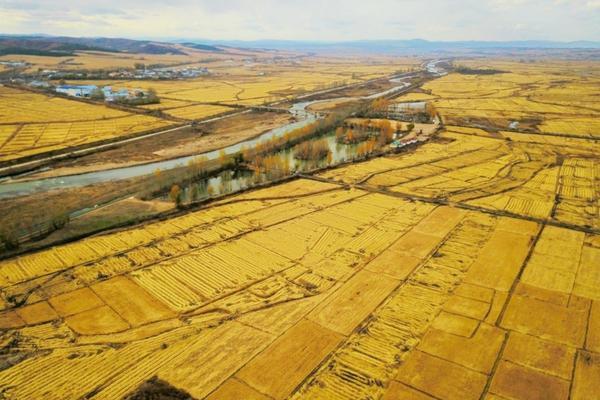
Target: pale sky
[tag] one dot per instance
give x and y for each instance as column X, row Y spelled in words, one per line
column 562, row 20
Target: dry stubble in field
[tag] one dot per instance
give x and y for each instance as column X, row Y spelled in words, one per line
column 433, row 274
column 372, row 294
column 33, row 123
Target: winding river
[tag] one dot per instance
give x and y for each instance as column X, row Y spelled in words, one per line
column 11, row 188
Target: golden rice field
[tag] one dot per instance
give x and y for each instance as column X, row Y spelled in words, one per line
column 32, row 123
column 525, row 176
column 336, row 67
column 241, row 90
column 17, row 106
column 546, row 96
column 465, row 269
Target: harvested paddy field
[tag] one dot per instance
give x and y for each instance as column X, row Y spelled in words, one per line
column 543, row 96
column 464, row 269
column 32, row 123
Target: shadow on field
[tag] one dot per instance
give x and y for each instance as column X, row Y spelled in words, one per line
column 156, row 389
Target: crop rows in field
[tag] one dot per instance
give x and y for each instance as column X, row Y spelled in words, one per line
column 18, row 106
column 34, row 123
column 466, row 269
column 103, row 295
column 478, row 169
column 548, row 102
column 405, row 314
column 32, row 139
column 361, row 281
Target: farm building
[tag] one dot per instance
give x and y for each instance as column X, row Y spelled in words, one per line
column 417, row 106
column 39, row 84
column 112, row 95
column 76, row 90
column 413, row 111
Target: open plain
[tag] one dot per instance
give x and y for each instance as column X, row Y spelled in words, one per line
column 383, row 227
column 465, row 269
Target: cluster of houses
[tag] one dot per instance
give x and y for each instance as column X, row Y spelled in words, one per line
column 161, row 73
column 149, row 73
column 108, row 92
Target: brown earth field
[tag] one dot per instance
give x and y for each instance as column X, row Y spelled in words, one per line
column 33, row 213
column 123, row 211
column 333, row 105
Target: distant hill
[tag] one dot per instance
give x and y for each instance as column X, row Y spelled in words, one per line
column 204, row 47
column 40, row 44
column 41, row 47
column 65, row 46
column 125, row 45
column 406, row 46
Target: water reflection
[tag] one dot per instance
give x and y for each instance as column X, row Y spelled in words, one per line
column 231, row 181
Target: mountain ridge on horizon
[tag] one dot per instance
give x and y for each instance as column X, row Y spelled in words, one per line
column 161, row 45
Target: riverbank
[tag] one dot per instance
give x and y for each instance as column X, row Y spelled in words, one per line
column 299, row 110
column 208, row 137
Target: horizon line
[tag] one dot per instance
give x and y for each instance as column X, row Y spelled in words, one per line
column 324, row 41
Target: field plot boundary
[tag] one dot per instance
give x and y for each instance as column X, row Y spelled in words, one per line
column 459, row 205
column 214, row 203
column 446, row 250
